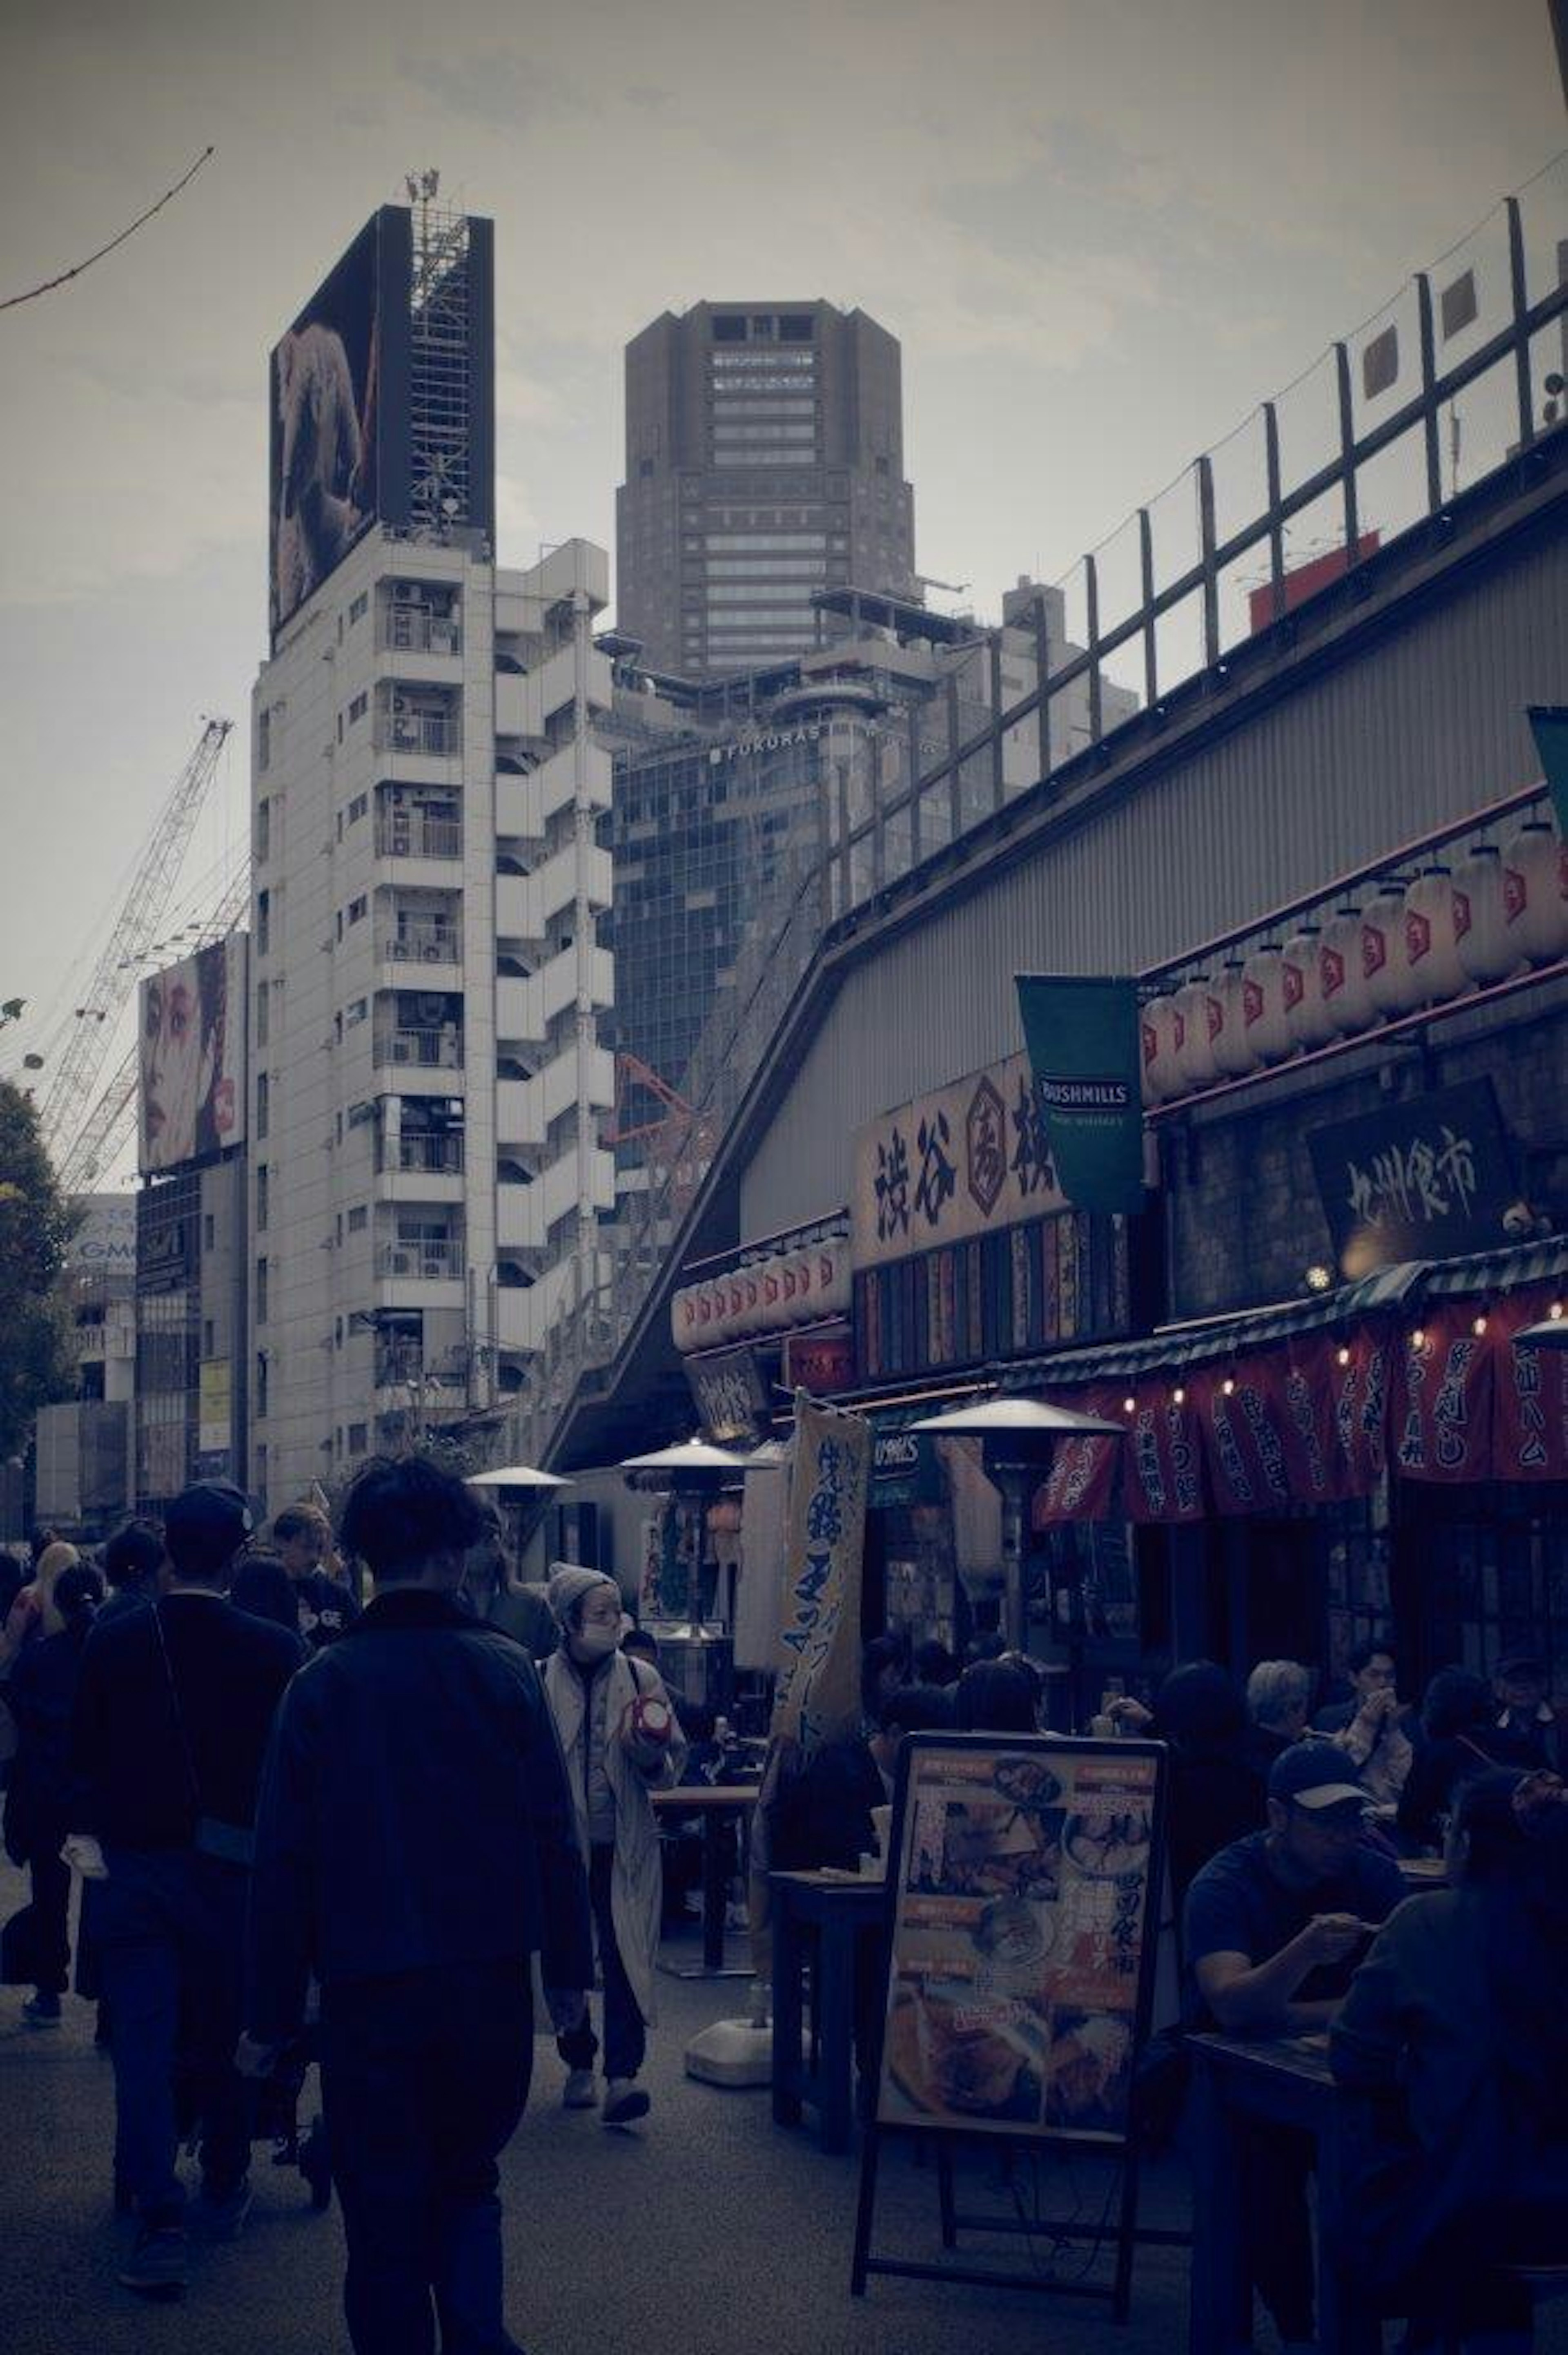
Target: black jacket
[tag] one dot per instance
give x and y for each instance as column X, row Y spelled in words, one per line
column 229, row 1670
column 41, row 1796
column 414, row 1813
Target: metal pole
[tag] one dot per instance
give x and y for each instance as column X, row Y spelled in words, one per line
column 1012, row 1481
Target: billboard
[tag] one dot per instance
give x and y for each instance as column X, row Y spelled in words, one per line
column 191, row 1055
column 338, row 405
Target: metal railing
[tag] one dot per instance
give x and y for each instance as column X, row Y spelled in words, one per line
column 421, row 1263
column 442, row 1155
column 430, row 733
column 1373, row 442
column 431, row 1049
column 410, row 834
column 427, row 943
column 409, row 629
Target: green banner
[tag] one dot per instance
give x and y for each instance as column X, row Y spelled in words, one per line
column 1081, row 1036
column 1549, row 723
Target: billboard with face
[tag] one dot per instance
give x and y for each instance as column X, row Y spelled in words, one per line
column 329, row 387
column 192, row 1056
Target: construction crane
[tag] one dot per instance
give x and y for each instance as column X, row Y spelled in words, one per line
column 677, row 1146
column 114, row 976
column 98, row 1140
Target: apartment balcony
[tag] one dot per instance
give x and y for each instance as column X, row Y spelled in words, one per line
column 411, row 630
column 428, row 1262
column 438, row 1053
column 419, row 734
column 525, row 703
column 525, row 1009
column 424, row 945
column 525, row 1108
column 409, row 834
column 525, row 903
column 416, row 1169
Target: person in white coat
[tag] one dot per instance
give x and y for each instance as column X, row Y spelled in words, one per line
column 621, row 1741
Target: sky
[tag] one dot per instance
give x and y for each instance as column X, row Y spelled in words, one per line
column 1102, row 235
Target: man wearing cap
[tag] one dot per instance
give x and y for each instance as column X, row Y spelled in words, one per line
column 1273, row 1929
column 173, row 1711
column 414, row 1849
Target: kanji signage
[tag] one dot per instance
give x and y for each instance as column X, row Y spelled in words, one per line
column 968, row 1160
column 1426, row 1179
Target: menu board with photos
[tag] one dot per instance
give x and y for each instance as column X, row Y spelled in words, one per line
column 1024, row 1918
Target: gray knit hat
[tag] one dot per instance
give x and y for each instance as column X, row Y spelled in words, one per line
column 570, row 1581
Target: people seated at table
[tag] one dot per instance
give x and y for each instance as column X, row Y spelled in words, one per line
column 1215, row 1792
column 822, row 1815
column 1279, row 1695
column 1273, row 1926
column 932, row 1663
column 1374, row 1727
column 1456, row 2026
column 1000, row 1696
column 1460, row 1738
column 1531, row 1732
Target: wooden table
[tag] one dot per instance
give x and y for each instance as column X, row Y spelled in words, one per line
column 828, row 1917
column 715, row 1803
column 1281, row 2081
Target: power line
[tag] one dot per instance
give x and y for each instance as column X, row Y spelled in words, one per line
column 11, row 301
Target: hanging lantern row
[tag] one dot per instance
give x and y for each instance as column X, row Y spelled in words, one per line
column 1413, row 944
column 789, row 1288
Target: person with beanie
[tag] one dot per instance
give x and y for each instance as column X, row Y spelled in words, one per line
column 621, row 1742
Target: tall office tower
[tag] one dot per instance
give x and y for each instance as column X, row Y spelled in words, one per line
column 764, row 460
column 426, row 1181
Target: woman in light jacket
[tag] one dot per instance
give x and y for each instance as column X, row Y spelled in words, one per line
column 621, row 1742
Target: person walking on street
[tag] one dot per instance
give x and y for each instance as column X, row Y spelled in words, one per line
column 132, row 1561
column 40, row 1796
column 173, row 1711
column 414, row 1849
column 301, row 1538
column 621, row 1741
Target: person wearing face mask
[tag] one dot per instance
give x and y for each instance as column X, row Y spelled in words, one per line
column 621, row 1741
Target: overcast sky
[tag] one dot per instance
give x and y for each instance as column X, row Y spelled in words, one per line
column 1102, row 234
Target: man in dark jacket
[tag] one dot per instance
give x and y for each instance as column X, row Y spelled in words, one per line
column 173, row 1709
column 415, row 1847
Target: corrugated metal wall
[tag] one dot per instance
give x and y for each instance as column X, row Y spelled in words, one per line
column 1417, row 729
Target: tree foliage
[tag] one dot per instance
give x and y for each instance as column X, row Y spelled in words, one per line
column 36, row 1227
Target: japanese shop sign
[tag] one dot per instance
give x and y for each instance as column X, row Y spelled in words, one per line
column 730, row 1394
column 1426, row 1179
column 1440, row 1409
column 968, row 1160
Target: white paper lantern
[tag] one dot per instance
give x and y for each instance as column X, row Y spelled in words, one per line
column 1232, row 1051
column 1533, row 899
column 1385, row 963
column 1262, row 1001
column 1198, row 1020
column 1431, row 950
column 1301, row 985
column 1482, row 936
column 1346, row 998
column 1156, row 1030
column 832, row 1278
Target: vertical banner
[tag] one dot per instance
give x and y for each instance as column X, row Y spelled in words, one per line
column 1358, row 1372
column 1529, row 1394
column 1081, row 1483
column 1441, row 1405
column 818, row 1695
column 1312, row 1460
column 1083, row 1050
column 1160, row 1463
column 1240, row 1414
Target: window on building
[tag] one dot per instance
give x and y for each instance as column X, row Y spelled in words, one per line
column 263, row 741
column 263, row 830
column 358, row 1217
column 262, row 1094
column 356, row 1010
column 357, row 808
column 359, row 608
column 261, row 1190
column 261, row 1003
column 358, row 707
column 263, row 923
column 261, row 1291
column 209, row 1338
column 261, row 1388
column 356, row 909
column 208, row 1232
column 358, row 1438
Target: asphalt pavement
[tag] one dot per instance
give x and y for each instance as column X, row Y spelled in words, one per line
column 705, row 2231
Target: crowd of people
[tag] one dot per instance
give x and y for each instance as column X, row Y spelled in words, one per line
column 306, row 1823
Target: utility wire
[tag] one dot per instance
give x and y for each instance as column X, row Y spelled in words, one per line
column 11, row 301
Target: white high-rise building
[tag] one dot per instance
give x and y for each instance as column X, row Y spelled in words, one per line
column 426, row 1180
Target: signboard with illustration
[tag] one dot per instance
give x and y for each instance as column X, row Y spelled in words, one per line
column 1023, row 1920
column 969, row 1159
